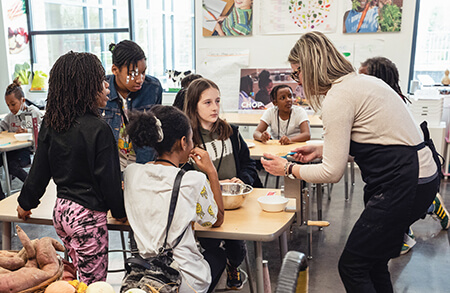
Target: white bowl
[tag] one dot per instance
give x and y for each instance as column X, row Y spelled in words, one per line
column 233, row 194
column 314, row 141
column 273, row 203
column 23, row 136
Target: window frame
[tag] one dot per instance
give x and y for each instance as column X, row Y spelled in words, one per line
column 130, row 30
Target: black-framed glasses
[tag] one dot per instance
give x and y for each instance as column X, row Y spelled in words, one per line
column 294, row 75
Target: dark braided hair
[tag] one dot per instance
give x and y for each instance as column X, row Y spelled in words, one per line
column 75, row 81
column 125, row 53
column 15, row 89
column 143, row 131
column 385, row 70
column 274, row 91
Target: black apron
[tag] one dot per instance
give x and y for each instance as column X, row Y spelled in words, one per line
column 391, row 174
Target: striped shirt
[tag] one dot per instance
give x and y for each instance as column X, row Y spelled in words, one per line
column 238, row 22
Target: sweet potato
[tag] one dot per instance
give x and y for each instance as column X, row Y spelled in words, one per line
column 28, row 277
column 26, row 242
column 7, row 253
column 4, row 271
column 11, row 262
column 23, row 253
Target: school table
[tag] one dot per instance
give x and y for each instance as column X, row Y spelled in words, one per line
column 252, row 119
column 302, row 206
column 249, row 222
column 9, row 143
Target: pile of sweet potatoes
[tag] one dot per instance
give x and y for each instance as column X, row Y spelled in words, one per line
column 34, row 264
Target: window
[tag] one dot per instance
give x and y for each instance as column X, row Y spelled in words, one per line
column 432, row 46
column 163, row 28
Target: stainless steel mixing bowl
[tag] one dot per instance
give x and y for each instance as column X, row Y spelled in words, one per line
column 233, row 194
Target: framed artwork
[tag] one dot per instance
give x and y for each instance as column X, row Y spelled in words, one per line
column 227, row 17
column 373, row 16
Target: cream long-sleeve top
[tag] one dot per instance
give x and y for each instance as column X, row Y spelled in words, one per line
column 363, row 109
column 147, row 195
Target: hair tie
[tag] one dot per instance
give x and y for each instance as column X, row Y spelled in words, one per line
column 160, row 131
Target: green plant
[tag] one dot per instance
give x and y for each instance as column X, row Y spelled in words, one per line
column 23, row 72
column 390, row 18
column 356, row 4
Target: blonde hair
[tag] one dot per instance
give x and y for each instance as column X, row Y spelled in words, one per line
column 321, row 65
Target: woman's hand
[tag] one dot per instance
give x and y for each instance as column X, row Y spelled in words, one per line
column 307, row 153
column 23, row 214
column 275, row 164
column 285, row 140
column 202, row 160
column 265, row 136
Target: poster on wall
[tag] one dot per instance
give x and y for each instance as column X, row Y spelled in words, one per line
column 18, row 49
column 257, row 83
column 223, row 66
column 293, row 16
column 376, row 16
column 227, row 17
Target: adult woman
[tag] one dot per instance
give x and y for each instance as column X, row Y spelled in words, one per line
column 150, row 185
column 77, row 149
column 362, row 114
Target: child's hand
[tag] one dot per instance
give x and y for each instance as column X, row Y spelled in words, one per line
column 221, row 18
column 21, row 130
column 265, row 136
column 285, row 140
column 202, row 160
column 23, row 214
column 236, row 180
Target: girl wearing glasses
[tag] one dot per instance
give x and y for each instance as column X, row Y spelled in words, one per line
column 288, row 123
column 363, row 116
column 131, row 89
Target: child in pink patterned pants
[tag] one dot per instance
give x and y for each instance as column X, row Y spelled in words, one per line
column 85, row 236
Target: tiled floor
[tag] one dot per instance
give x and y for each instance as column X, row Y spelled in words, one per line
column 426, row 268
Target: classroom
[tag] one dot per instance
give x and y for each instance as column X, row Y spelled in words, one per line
column 224, row 145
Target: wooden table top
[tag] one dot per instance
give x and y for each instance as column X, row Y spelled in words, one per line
column 249, row 222
column 9, row 143
column 271, row 146
column 252, row 119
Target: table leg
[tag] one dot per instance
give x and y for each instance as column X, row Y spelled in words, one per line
column 319, row 201
column 283, row 244
column 259, row 267
column 309, row 217
column 346, row 182
column 8, row 182
column 6, row 236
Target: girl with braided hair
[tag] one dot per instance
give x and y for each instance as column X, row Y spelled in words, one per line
column 131, row 89
column 77, row 149
column 15, row 122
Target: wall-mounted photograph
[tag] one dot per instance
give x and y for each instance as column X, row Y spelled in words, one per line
column 257, row 83
column 373, row 16
column 227, row 17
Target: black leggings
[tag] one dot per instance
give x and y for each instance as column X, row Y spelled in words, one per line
column 216, row 258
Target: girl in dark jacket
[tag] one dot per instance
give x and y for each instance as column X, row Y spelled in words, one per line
column 230, row 156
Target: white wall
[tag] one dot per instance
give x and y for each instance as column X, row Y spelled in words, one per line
column 271, row 51
column 4, row 74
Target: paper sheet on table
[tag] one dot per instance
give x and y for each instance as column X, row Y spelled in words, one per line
column 212, row 9
column 223, row 66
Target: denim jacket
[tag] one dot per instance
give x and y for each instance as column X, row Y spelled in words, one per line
column 149, row 95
